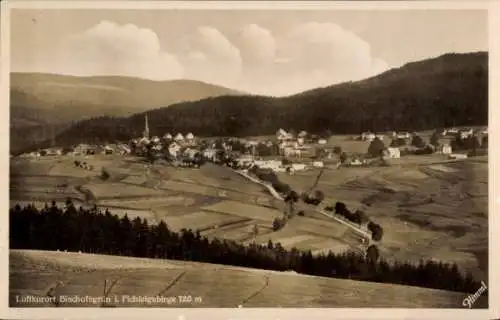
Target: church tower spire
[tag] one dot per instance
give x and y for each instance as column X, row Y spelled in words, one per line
column 146, row 126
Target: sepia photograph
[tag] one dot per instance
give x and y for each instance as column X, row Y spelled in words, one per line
column 253, row 157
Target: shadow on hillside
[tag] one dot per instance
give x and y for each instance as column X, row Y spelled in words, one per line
column 454, row 230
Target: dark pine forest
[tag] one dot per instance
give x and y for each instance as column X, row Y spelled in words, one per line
column 93, row 231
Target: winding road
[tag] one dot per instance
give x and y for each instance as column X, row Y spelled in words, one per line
column 322, row 211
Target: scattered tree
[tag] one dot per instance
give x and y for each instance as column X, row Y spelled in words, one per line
column 372, row 254
column 105, row 174
column 417, row 141
column 435, row 139
column 376, row 148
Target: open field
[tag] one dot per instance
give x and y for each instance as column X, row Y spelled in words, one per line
column 429, row 207
column 209, row 285
column 214, row 200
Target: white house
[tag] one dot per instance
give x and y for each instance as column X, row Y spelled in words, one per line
column 446, row 149
column 318, row 164
column 174, row 149
column 302, row 134
column 298, row 166
column 458, row 156
column 381, row 137
column 189, row 136
column 167, row 136
column 300, row 141
column 466, row 133
column 355, row 162
column 268, row 164
column 155, row 139
column 367, row 136
column 322, row 141
column 179, row 137
column 402, row 135
column 209, row 153
column 392, row 153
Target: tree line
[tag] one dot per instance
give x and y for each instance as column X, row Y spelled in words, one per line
column 93, row 231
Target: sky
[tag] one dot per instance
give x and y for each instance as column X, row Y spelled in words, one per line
column 276, row 53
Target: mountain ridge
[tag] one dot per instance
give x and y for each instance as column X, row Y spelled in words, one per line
column 448, row 90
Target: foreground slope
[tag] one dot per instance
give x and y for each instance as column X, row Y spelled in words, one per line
column 36, row 272
column 450, row 90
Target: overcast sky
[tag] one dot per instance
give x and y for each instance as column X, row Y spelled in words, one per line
column 264, row 52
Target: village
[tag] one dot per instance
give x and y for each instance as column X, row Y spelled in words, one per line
column 287, row 151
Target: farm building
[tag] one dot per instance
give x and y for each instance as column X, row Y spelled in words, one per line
column 300, row 141
column 355, row 162
column 446, row 149
column 209, row 153
column 464, row 134
column 457, row 156
column 401, row 135
column 189, row 136
column 302, row 134
column 367, row 136
column 322, row 141
column 108, row 150
column 392, row 153
column 298, row 166
column 179, row 137
column 268, row 164
column 318, row 164
column 155, row 139
column 251, row 143
column 167, row 136
column 450, row 132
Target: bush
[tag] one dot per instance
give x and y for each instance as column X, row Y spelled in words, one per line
column 278, row 224
column 292, row 196
column 343, row 157
column 105, row 174
column 372, row 254
column 435, row 139
column 376, row 148
column 484, row 142
column 301, row 213
column 426, row 150
column 417, row 141
column 314, row 199
column 340, row 207
column 376, row 230
column 281, row 187
column 337, row 150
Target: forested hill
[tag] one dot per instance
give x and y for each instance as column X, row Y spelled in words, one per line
column 450, row 90
column 42, row 105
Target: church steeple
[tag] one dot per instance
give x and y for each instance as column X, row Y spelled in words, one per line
column 146, row 127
